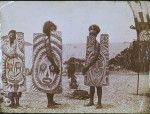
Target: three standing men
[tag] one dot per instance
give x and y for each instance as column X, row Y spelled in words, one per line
column 96, row 69
column 47, row 63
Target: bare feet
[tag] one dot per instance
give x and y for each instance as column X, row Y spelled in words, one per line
column 17, row 105
column 12, row 106
column 99, row 106
column 90, row 104
column 56, row 103
column 52, row 106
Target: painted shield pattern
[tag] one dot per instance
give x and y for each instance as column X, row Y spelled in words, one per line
column 13, row 68
column 43, row 78
column 97, row 75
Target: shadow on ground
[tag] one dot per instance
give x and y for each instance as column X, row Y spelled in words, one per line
column 142, row 94
column 107, row 106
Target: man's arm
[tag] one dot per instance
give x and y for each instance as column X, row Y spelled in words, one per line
column 50, row 55
column 92, row 62
column 50, row 58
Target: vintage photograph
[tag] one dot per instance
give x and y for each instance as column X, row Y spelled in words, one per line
column 75, row 56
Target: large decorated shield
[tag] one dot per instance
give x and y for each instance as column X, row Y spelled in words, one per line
column 43, row 78
column 97, row 75
column 13, row 68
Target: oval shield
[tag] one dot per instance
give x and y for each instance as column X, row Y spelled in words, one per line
column 44, row 79
column 13, row 73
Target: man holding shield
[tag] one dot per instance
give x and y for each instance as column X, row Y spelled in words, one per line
column 96, row 67
column 13, row 68
column 47, row 62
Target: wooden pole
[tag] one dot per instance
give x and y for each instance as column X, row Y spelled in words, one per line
column 138, row 83
column 139, row 66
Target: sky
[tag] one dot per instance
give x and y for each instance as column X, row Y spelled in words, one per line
column 71, row 17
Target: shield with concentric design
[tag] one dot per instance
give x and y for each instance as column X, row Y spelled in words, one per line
column 13, row 68
column 43, row 77
column 98, row 73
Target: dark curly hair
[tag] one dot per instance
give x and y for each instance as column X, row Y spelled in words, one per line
column 48, row 27
column 12, row 31
column 94, row 27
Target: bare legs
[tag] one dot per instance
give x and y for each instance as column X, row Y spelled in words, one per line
column 14, row 97
column 51, row 102
column 99, row 94
column 11, row 96
column 92, row 91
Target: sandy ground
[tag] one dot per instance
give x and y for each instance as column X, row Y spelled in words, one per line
column 119, row 97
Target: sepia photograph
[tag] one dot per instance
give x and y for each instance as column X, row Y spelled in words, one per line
column 75, row 56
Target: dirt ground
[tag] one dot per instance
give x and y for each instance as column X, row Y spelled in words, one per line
column 119, row 97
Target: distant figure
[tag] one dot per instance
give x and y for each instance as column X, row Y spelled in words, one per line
column 71, row 69
column 13, row 74
column 47, row 62
column 96, row 68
